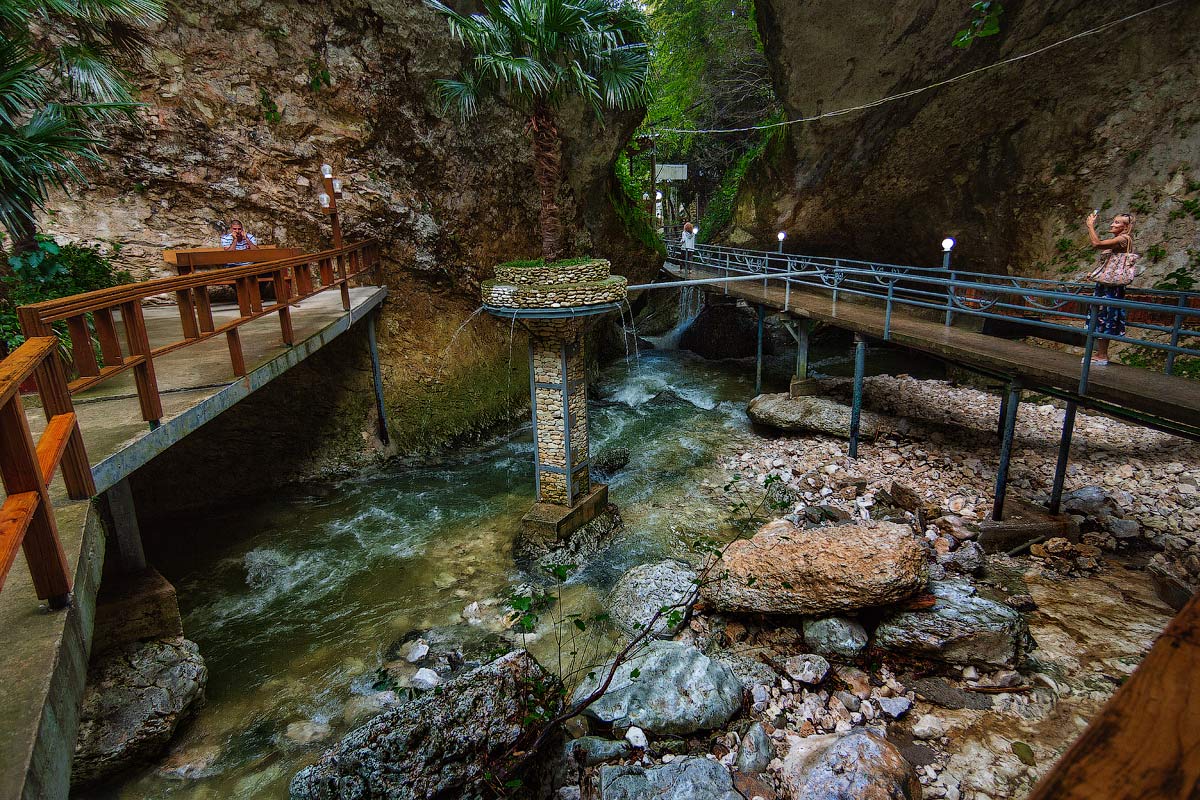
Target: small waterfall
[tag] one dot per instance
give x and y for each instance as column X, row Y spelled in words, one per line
column 691, row 303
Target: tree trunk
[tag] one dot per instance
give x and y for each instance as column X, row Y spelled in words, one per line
column 23, row 233
column 547, row 169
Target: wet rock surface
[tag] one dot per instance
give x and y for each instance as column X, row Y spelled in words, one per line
column 677, row 690
column 784, row 569
column 137, row 696
column 436, row 744
column 644, row 590
column 859, row 766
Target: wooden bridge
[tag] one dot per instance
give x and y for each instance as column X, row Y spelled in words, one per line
column 1145, row 743
column 141, row 378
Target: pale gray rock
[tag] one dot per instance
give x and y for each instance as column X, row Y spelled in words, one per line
column 677, row 690
column 928, row 727
column 857, row 766
column 835, row 636
column 756, row 751
column 691, row 778
column 960, row 628
column 894, row 707
column 137, row 696
column 643, row 590
column 968, row 559
column 436, row 745
column 809, row 414
column 808, row 668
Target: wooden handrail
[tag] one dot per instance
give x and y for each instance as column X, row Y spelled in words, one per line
column 27, row 468
column 292, row 279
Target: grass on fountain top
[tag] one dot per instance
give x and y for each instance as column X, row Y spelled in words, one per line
column 541, row 262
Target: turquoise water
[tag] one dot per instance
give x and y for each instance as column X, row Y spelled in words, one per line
column 297, row 602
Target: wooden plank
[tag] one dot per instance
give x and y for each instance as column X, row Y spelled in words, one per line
column 1145, row 743
column 53, row 443
column 18, row 365
column 285, row 313
column 235, row 352
column 143, row 373
column 219, row 256
column 79, row 384
column 15, row 516
column 56, row 402
column 187, row 314
column 106, row 332
column 82, row 353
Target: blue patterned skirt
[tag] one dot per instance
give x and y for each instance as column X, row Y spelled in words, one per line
column 1111, row 319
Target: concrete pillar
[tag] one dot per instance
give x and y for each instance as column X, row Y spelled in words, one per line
column 126, row 554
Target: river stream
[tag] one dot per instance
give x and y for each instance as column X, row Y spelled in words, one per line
column 296, row 602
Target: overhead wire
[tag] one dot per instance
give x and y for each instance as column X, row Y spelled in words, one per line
column 938, row 84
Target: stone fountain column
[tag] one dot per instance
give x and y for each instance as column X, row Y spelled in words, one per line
column 556, row 304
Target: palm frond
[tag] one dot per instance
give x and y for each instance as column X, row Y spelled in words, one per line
column 458, row 96
column 91, row 74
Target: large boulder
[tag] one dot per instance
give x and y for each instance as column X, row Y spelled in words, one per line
column 643, row 590
column 136, row 697
column 691, row 778
column 960, row 627
column 808, row 414
column 857, row 766
column 835, row 636
column 437, row 745
column 677, row 689
column 784, row 569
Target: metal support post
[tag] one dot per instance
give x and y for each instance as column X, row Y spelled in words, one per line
column 762, row 315
column 1175, row 326
column 860, row 365
column 887, row 314
column 950, row 298
column 564, row 359
column 380, row 408
column 1003, row 415
column 1064, row 454
column 130, row 558
column 537, row 456
column 1010, row 424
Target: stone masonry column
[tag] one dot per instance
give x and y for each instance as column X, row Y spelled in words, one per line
column 559, row 392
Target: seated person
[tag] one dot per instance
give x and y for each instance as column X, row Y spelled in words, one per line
column 237, row 238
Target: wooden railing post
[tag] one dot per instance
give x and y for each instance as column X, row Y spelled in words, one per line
column 187, row 314
column 325, row 267
column 56, row 402
column 343, row 282
column 23, row 476
column 143, row 372
column 82, row 353
column 285, row 313
column 106, row 332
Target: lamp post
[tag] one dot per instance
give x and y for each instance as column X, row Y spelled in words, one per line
column 328, row 200
column 781, row 236
column 947, row 245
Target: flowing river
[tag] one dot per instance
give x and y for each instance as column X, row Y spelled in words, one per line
column 297, row 602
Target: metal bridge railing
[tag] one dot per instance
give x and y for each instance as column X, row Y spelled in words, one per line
column 1061, row 306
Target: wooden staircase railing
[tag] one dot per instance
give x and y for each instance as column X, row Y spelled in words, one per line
column 27, row 468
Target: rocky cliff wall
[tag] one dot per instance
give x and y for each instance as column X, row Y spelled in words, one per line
column 246, row 99
column 1009, row 161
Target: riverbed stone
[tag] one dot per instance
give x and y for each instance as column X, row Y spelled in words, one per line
column 835, row 636
column 646, row 588
column 438, row 744
column 857, row 766
column 677, row 690
column 808, row 414
column 961, row 627
column 756, row 751
column 784, row 569
column 137, row 696
column 808, row 668
column 692, row 778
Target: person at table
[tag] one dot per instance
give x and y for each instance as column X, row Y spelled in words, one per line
column 237, row 238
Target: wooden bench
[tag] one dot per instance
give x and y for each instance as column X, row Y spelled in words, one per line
column 194, row 259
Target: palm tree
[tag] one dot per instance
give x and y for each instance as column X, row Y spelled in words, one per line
column 534, row 54
column 58, row 81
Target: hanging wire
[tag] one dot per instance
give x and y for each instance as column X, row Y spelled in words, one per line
column 938, row 84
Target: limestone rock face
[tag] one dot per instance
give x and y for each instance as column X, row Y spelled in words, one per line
column 677, row 690
column 851, row 181
column 784, row 569
column 960, row 628
column 436, row 745
column 858, row 766
column 643, row 590
column 685, row 779
column 137, row 695
column 809, row 414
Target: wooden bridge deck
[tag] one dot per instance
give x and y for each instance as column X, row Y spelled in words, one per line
column 1169, row 398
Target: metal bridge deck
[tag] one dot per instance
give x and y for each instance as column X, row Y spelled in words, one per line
column 1168, row 398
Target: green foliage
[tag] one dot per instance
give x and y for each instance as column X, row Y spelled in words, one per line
column 1182, row 279
column 986, row 22
column 59, row 79
column 50, row 271
column 1141, row 203
column 270, row 109
column 318, row 74
column 541, row 262
column 1186, row 208
column 539, row 52
column 1156, row 253
column 630, row 211
column 1152, row 358
column 719, row 212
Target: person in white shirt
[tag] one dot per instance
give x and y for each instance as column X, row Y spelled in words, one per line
column 687, row 243
column 237, row 238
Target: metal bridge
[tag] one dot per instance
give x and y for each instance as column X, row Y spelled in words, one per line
column 931, row 309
